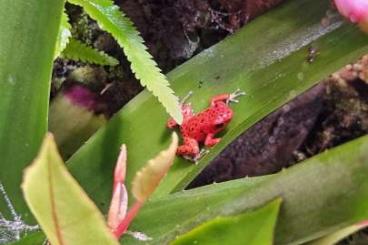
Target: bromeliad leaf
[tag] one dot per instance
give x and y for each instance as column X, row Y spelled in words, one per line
column 112, row 20
column 339, row 235
column 75, row 50
column 64, row 34
column 336, row 181
column 147, row 179
column 251, row 228
column 63, row 210
column 28, row 33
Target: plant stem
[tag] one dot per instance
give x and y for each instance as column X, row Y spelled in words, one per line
column 123, row 226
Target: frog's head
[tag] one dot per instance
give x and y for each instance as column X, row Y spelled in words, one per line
column 223, row 116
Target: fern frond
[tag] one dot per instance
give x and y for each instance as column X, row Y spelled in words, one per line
column 76, row 50
column 63, row 35
column 112, row 20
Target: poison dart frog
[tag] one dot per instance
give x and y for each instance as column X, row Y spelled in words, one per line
column 202, row 127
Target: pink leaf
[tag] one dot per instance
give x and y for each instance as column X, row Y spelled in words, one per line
column 119, row 201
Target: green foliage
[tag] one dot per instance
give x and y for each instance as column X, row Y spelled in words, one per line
column 112, row 20
column 61, row 207
column 339, row 235
column 272, row 69
column 64, row 34
column 75, row 50
column 255, row 227
column 148, row 178
column 331, row 187
column 28, row 33
column 323, row 194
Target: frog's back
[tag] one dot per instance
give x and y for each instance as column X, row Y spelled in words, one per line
column 197, row 127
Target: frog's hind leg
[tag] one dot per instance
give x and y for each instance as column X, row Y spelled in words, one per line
column 234, row 95
column 211, row 140
column 227, row 97
column 189, row 148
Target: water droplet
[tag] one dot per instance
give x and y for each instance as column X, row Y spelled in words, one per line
column 300, row 76
column 11, row 80
column 292, row 93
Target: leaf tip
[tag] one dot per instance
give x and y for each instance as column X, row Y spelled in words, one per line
column 147, row 179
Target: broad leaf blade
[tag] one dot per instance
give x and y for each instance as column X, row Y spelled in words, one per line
column 321, row 195
column 266, row 68
column 28, row 31
column 112, row 20
column 60, row 205
column 252, row 228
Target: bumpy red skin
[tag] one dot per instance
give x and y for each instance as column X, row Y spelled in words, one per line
column 202, row 127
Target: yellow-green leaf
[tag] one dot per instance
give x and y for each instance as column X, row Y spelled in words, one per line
column 148, row 178
column 79, row 51
column 63, row 210
column 63, row 35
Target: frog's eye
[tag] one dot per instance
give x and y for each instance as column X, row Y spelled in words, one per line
column 219, row 125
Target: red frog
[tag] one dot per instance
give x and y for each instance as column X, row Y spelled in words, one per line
column 202, row 127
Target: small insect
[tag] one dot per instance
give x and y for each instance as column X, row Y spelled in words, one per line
column 312, row 54
column 202, row 127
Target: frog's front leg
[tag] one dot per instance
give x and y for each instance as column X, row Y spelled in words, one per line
column 186, row 111
column 210, row 140
column 189, row 148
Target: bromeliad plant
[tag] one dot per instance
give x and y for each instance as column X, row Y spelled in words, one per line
column 61, row 203
column 332, row 186
column 143, row 185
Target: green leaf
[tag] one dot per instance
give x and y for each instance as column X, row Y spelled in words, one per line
column 28, row 33
column 148, row 178
column 323, row 194
column 64, row 34
column 112, row 20
column 202, row 199
column 339, row 235
column 61, row 207
column 271, row 69
column 75, row 50
column 254, row 227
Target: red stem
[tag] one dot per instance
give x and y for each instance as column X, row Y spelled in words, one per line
column 123, row 226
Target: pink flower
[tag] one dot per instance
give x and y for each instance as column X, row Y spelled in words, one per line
column 355, row 10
